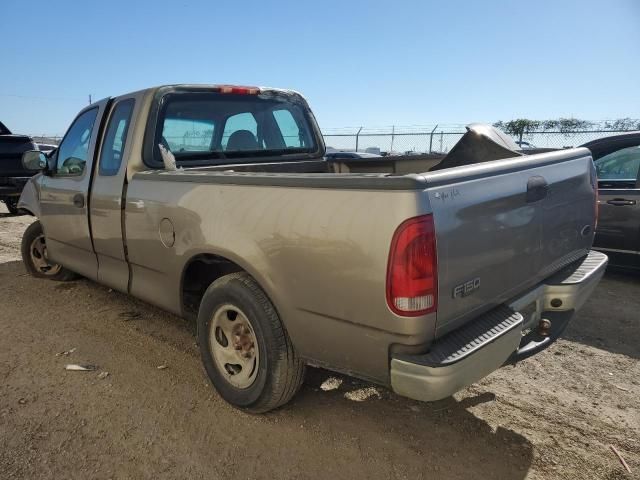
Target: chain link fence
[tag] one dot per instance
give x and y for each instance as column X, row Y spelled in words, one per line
column 423, row 139
column 434, row 139
column 47, row 139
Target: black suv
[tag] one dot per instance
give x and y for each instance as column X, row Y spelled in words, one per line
column 13, row 175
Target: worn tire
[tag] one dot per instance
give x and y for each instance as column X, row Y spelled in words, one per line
column 12, row 205
column 32, row 232
column 279, row 372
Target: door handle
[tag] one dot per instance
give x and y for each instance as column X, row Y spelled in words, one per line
column 621, row 202
column 78, row 200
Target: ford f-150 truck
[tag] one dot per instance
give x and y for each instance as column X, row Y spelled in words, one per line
column 215, row 203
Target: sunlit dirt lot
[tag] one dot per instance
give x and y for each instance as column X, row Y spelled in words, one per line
column 553, row 416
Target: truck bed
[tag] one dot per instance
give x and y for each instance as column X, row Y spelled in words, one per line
column 487, row 226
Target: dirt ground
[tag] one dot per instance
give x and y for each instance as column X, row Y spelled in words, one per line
column 553, row 416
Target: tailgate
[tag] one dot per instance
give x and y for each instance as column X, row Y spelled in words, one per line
column 503, row 226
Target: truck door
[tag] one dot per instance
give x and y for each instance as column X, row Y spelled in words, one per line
column 618, row 231
column 64, row 195
column 107, row 193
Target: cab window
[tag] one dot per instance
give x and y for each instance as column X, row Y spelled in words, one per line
column 115, row 138
column 73, row 151
column 187, row 127
column 288, row 128
column 238, row 126
column 210, row 128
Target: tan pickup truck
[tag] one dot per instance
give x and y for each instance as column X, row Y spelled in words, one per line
column 216, row 203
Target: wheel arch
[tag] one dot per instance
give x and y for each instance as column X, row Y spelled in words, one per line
column 202, row 269
column 29, row 199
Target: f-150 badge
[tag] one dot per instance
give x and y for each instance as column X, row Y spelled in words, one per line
column 466, row 288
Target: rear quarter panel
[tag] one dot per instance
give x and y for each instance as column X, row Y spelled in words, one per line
column 319, row 253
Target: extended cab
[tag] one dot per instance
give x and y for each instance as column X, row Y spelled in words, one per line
column 215, row 203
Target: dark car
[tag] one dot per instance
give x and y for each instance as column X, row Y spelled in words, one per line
column 525, row 145
column 617, row 161
column 349, row 155
column 46, row 147
column 13, row 175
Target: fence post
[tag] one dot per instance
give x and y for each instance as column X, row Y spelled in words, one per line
column 431, row 137
column 441, row 141
column 358, row 138
column 393, row 136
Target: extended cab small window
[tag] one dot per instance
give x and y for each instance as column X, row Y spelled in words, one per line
column 73, row 151
column 115, row 138
column 211, row 127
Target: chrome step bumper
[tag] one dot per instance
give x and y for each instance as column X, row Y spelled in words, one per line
column 570, row 288
column 500, row 336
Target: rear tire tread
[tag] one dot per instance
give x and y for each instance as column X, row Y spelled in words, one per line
column 286, row 374
column 290, row 377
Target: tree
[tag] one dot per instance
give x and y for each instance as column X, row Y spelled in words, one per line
column 524, row 126
column 566, row 125
column 622, row 124
column 519, row 127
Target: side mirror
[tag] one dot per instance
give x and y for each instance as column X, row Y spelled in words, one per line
column 34, row 160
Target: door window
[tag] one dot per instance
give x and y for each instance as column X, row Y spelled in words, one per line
column 115, row 138
column 620, row 165
column 73, row 151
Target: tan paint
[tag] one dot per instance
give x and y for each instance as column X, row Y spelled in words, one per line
column 106, row 210
column 321, row 259
column 320, row 254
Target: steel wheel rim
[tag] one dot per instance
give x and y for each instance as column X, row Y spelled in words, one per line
column 39, row 258
column 234, row 346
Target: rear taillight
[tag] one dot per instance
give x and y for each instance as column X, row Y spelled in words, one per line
column 412, row 273
column 237, row 89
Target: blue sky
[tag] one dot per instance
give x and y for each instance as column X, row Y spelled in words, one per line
column 369, row 63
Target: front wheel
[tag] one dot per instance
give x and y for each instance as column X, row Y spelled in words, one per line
column 35, row 256
column 244, row 347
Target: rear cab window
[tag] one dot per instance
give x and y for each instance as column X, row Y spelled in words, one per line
column 242, row 129
column 202, row 128
column 185, row 130
column 289, row 128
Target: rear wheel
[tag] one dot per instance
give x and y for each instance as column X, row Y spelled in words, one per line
column 35, row 256
column 244, row 347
